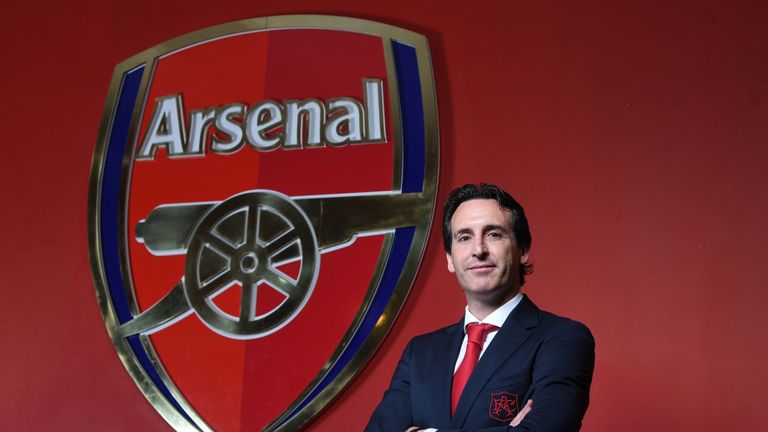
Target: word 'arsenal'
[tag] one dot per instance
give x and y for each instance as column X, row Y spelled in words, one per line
column 267, row 125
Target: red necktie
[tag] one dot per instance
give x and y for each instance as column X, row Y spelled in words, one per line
column 476, row 334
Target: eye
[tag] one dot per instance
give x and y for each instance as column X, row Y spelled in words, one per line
column 462, row 238
column 495, row 235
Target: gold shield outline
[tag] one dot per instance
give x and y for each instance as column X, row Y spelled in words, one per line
column 388, row 34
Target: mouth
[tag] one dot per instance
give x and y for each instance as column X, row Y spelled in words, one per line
column 481, row 267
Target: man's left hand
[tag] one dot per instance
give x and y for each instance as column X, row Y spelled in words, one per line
column 521, row 415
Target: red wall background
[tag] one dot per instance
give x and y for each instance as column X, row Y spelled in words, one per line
column 635, row 133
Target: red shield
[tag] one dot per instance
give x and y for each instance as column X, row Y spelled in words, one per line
column 260, row 201
column 503, row 406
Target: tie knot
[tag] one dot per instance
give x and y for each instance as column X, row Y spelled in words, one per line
column 476, row 332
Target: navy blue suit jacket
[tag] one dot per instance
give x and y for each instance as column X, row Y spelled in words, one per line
column 535, row 355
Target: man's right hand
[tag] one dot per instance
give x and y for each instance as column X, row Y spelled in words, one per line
column 521, row 415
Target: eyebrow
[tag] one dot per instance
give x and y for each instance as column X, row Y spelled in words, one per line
column 462, row 231
column 486, row 228
column 495, row 227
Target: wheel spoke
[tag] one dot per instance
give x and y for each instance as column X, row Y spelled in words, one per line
column 216, row 284
column 284, row 240
column 281, row 282
column 252, row 225
column 221, row 245
column 247, row 302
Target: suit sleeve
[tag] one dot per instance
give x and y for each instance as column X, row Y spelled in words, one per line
column 394, row 411
column 561, row 377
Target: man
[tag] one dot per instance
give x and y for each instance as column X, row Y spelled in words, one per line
column 528, row 358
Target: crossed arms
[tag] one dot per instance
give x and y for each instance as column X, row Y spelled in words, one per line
column 557, row 368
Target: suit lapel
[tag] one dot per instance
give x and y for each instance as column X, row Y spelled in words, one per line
column 442, row 377
column 512, row 334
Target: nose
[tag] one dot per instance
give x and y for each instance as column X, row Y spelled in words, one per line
column 479, row 249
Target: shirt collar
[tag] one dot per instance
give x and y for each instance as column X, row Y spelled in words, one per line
column 496, row 317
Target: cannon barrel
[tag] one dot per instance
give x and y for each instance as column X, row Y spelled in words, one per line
column 335, row 219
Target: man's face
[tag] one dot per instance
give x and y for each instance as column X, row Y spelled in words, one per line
column 484, row 252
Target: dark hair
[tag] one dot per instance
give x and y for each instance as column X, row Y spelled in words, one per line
column 490, row 191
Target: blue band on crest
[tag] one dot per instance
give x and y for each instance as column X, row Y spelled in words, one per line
column 109, row 216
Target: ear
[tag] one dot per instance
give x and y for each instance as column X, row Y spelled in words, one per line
column 524, row 257
column 451, row 268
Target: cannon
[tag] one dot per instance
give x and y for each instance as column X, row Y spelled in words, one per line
column 243, row 239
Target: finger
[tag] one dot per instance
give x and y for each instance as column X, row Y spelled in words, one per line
column 521, row 415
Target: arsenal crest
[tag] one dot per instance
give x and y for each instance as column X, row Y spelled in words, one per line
column 260, row 200
column 504, row 406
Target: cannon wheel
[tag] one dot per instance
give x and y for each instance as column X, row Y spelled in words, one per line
column 217, row 260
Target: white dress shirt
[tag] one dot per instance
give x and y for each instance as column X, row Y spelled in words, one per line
column 496, row 318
